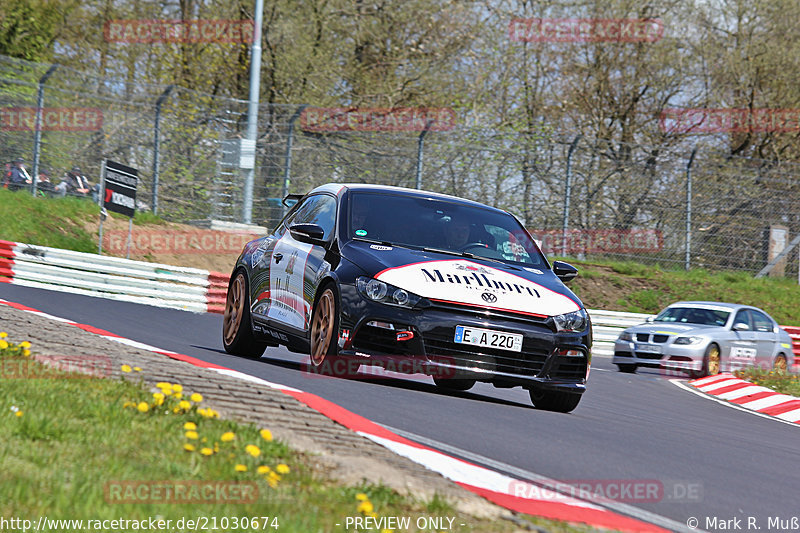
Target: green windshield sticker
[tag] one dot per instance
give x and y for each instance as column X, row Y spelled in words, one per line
column 361, row 232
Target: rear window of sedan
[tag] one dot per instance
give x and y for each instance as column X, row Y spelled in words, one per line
column 694, row 315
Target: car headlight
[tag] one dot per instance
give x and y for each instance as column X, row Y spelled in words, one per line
column 626, row 336
column 688, row 340
column 575, row 321
column 378, row 291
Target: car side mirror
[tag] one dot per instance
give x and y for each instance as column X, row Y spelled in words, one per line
column 650, row 319
column 741, row 326
column 564, row 271
column 307, row 233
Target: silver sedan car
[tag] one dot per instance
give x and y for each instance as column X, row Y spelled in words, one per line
column 705, row 338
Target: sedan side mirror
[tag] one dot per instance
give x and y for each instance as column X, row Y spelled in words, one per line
column 307, row 233
column 564, row 271
column 741, row 326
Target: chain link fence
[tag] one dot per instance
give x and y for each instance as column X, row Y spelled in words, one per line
column 666, row 205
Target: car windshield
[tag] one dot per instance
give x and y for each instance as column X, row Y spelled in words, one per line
column 441, row 225
column 694, row 315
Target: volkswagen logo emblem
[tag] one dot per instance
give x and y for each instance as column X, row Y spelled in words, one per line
column 488, row 297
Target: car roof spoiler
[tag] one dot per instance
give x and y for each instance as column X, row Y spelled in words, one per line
column 292, row 199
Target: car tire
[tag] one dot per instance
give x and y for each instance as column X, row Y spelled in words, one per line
column 780, row 364
column 323, row 343
column 237, row 329
column 627, row 368
column 454, row 384
column 712, row 363
column 561, row 402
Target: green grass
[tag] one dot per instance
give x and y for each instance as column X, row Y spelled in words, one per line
column 56, row 222
column 782, row 382
column 75, row 441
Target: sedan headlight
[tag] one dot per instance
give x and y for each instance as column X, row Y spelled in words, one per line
column 626, row 336
column 688, row 340
column 378, row 291
column 575, row 321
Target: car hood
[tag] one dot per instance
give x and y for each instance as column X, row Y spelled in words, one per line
column 672, row 328
column 474, row 282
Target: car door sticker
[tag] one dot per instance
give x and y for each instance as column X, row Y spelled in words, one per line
column 287, row 283
column 463, row 281
column 739, row 352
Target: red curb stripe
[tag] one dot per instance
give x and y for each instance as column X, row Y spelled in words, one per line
column 729, row 388
column 557, row 511
column 717, row 378
column 192, row 360
column 752, row 397
column 788, row 405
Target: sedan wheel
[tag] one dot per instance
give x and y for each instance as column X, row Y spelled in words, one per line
column 779, row 365
column 711, row 363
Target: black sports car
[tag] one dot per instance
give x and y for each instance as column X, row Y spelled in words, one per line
column 417, row 281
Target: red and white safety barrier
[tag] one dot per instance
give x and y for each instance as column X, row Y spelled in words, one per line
column 501, row 489
column 749, row 396
column 190, row 289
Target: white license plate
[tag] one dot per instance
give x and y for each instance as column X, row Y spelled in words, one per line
column 648, row 348
column 488, row 338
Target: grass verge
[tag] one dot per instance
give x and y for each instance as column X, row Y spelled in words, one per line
column 783, row 382
column 77, row 447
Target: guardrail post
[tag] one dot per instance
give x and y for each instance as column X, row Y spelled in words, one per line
column 157, row 145
column 37, row 134
column 420, row 148
column 567, row 194
column 287, row 169
column 252, row 110
column 687, row 258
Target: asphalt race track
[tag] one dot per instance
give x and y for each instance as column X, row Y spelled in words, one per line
column 713, row 461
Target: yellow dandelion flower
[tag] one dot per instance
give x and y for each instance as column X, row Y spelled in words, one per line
column 128, row 404
column 3, row 334
column 207, row 451
column 227, row 436
column 372, row 515
column 26, row 353
column 178, row 395
column 272, row 482
column 191, row 435
column 3, row 344
column 204, row 439
column 253, row 450
column 196, row 397
column 158, row 396
column 263, row 469
column 362, row 497
column 387, row 530
column 266, row 434
column 19, row 414
column 216, row 446
column 282, row 469
column 125, row 368
column 273, row 476
column 183, row 404
column 190, row 426
column 365, row 507
column 188, row 447
column 24, row 344
column 164, row 385
column 240, row 468
column 176, row 410
column 137, row 369
column 213, row 413
column 177, row 387
column 143, row 407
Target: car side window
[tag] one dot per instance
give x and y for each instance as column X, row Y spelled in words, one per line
column 319, row 209
column 761, row 321
column 743, row 317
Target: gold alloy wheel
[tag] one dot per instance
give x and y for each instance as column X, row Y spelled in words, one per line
column 322, row 327
column 713, row 360
column 234, row 309
column 780, row 363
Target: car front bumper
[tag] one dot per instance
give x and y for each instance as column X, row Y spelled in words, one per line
column 672, row 356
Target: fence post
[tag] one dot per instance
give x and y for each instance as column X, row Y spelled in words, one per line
column 567, row 193
column 287, row 169
column 420, row 143
column 687, row 259
column 157, row 145
column 252, row 110
column 37, row 134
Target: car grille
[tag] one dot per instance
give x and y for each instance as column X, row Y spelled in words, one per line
column 645, row 337
column 483, row 314
column 642, row 355
column 372, row 339
column 569, row 368
column 441, row 348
